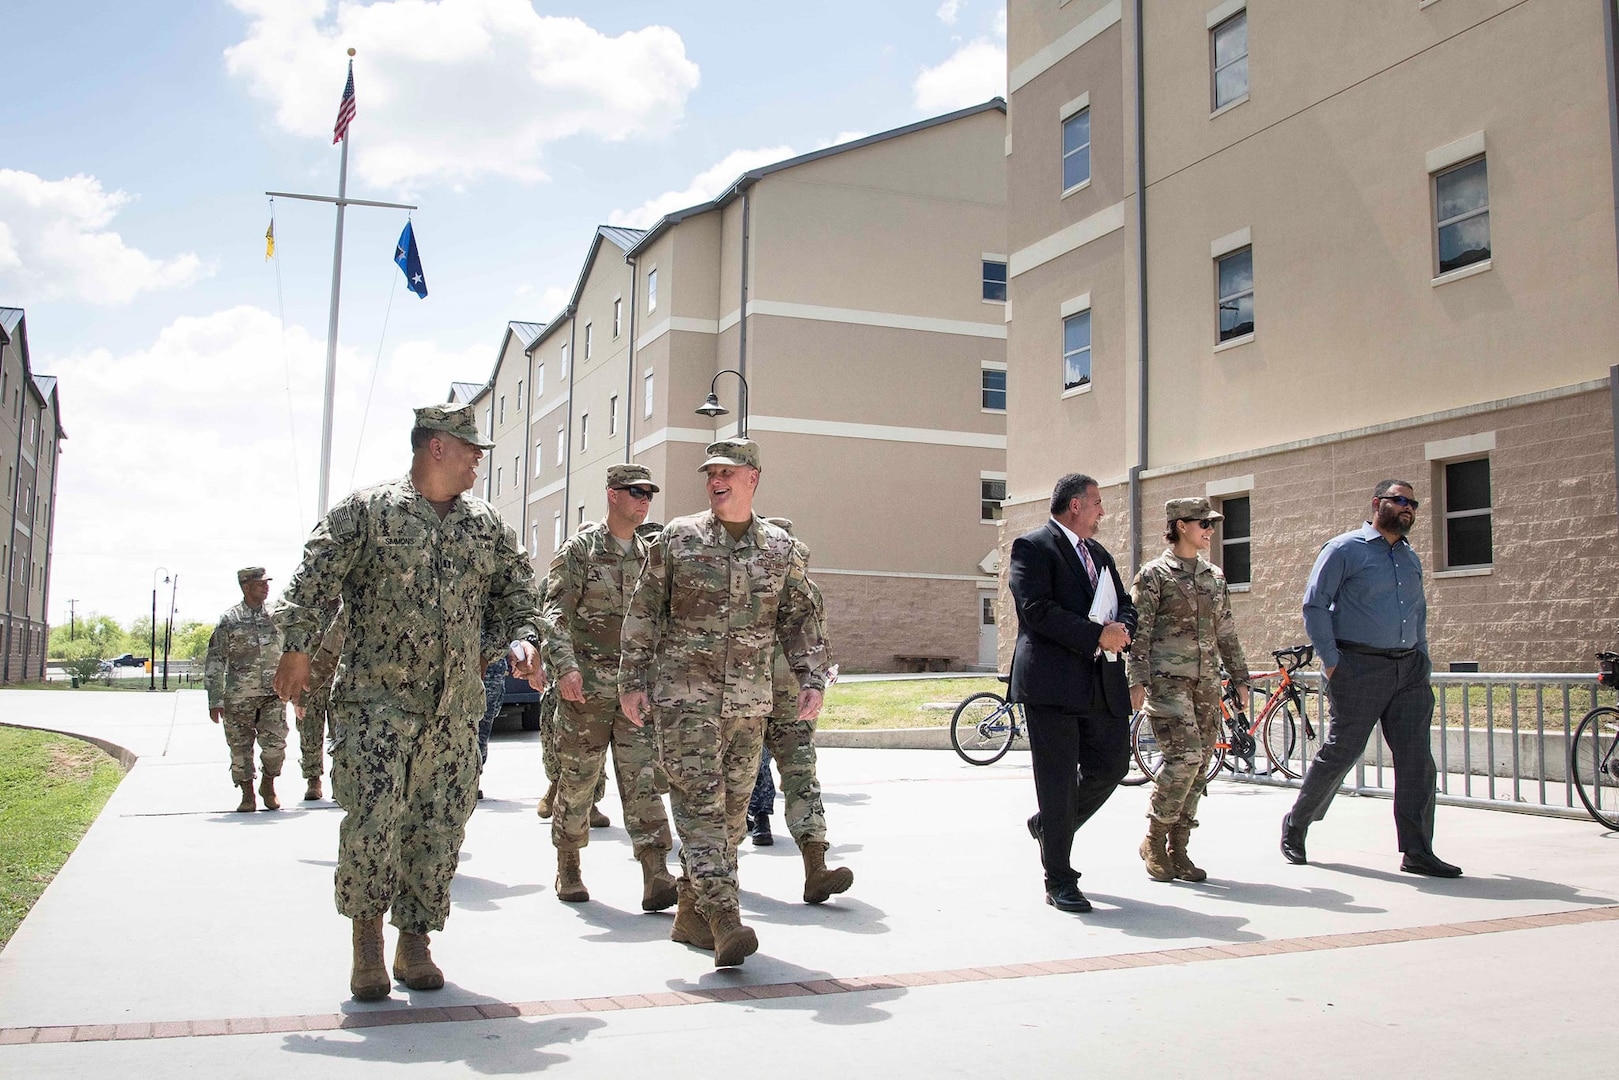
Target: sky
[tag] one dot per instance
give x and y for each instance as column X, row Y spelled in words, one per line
column 137, row 142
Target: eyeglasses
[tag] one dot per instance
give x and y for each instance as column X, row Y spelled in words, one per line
column 1207, row 523
column 638, row 492
column 1400, row 500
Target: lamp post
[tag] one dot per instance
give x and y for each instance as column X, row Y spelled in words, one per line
column 151, row 657
column 712, row 406
column 168, row 630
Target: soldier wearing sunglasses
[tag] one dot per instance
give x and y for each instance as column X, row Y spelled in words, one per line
column 1184, row 634
column 1367, row 616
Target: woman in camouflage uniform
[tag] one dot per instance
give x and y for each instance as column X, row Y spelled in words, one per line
column 1184, row 633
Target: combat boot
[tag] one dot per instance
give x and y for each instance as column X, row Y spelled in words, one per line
column 759, row 830
column 267, row 790
column 690, row 928
column 599, row 820
column 732, row 941
column 1153, row 853
column 1185, row 869
column 249, row 803
column 658, row 890
column 547, row 800
column 368, row 981
column 313, row 791
column 413, row 964
column 570, row 886
column 819, row 882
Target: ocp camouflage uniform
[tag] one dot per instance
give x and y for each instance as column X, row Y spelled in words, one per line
column 312, row 726
column 699, row 639
column 588, row 592
column 1184, row 632
column 408, row 698
column 239, row 674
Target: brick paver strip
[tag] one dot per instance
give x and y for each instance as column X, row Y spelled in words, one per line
column 1038, row 969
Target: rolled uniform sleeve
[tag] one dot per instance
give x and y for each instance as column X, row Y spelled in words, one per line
column 1225, row 630
column 643, row 623
column 800, row 627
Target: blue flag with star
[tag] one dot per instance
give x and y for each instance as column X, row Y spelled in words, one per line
column 410, row 261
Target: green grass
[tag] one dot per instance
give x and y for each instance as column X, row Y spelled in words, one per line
column 897, row 704
column 51, row 789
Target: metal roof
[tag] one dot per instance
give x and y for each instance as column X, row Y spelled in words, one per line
column 623, row 237
column 9, row 318
column 528, row 332
column 465, row 391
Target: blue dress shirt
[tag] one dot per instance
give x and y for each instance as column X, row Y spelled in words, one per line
column 1366, row 590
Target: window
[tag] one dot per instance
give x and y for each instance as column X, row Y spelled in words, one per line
column 517, row 468
column 584, row 431
column 562, row 369
column 646, row 389
column 489, row 421
column 497, row 479
column 562, row 446
column 1235, row 294
column 587, row 341
column 533, row 540
column 1467, row 514
column 986, row 610
column 519, row 395
column 652, row 289
column 580, row 523
column 1462, row 215
column 1229, row 41
column 618, row 316
column 994, row 388
column 991, row 493
column 503, row 408
column 612, row 415
column 538, row 457
column 1236, row 531
column 1076, row 351
column 994, row 280
column 1076, row 149
column 539, row 382
column 556, row 530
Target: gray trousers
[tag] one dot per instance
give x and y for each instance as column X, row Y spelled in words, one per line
column 1364, row 691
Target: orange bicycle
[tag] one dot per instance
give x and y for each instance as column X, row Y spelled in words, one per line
column 1278, row 726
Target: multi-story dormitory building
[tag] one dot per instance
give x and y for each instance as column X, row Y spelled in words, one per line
column 1377, row 240
column 860, row 290
column 30, row 440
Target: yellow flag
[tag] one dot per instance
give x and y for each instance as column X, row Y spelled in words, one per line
column 269, row 241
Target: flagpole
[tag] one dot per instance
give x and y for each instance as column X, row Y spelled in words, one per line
column 331, row 337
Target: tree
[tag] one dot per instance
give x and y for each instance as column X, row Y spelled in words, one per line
column 101, row 632
column 190, row 640
column 81, row 660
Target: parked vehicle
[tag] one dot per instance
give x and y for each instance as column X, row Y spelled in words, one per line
column 129, row 660
column 524, row 700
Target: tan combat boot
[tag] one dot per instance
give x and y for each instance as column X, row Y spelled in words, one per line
column 599, row 820
column 819, row 882
column 570, row 886
column 313, row 792
column 658, row 890
column 1185, row 869
column 267, row 790
column 732, row 941
column 1153, row 852
column 368, row 981
column 547, row 800
column 413, row 963
column 690, row 928
column 248, row 803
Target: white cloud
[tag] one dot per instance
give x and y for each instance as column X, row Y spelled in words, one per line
column 456, row 89
column 974, row 73
column 949, row 10
column 54, row 242
column 703, row 187
column 840, row 138
column 216, row 469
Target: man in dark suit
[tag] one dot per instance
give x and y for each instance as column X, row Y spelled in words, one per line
column 1073, row 692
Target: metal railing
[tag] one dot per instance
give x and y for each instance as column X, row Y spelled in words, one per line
column 1500, row 740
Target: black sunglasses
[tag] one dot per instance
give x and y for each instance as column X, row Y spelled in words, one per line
column 1400, row 500
column 638, row 492
column 1207, row 523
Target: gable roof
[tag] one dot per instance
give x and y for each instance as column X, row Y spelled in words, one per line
column 625, row 239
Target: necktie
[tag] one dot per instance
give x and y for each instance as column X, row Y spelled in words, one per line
column 1090, row 567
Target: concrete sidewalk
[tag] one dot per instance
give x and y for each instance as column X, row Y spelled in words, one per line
column 183, row 939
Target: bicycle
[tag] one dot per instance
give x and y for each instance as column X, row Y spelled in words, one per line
column 984, row 726
column 1593, row 755
column 1281, row 718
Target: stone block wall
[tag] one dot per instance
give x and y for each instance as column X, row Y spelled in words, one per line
column 870, row 619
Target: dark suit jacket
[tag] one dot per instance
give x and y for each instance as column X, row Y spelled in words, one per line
column 1056, row 640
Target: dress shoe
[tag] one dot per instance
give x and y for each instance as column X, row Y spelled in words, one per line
column 1034, row 827
column 1293, row 841
column 1428, row 865
column 1067, row 898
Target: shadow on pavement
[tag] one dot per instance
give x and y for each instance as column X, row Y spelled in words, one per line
column 1268, row 895
column 1503, row 887
column 846, row 914
column 856, row 1007
column 617, row 924
column 1163, row 922
column 471, row 893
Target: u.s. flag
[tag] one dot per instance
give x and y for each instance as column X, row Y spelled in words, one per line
column 345, row 108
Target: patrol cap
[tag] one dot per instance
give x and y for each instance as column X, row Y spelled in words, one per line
column 732, row 452
column 1190, row 510
column 782, row 523
column 457, row 420
column 250, row 573
column 629, row 475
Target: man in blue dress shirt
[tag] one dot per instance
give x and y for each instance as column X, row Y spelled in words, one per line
column 1366, row 615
